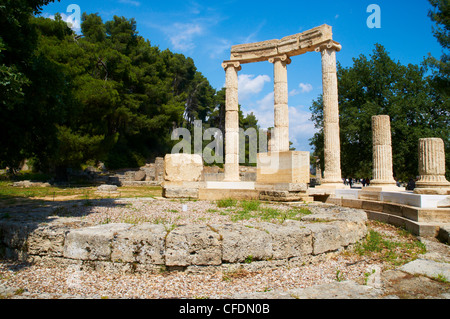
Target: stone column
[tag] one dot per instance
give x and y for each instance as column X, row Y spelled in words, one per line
column 332, row 149
column 231, row 121
column 432, row 167
column 382, row 151
column 280, row 142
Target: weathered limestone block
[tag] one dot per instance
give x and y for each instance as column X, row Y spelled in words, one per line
column 180, row 189
column 193, row 245
column 183, row 167
column 143, row 243
column 240, row 242
column 47, row 240
column 326, row 237
column 350, row 233
column 92, row 243
column 283, row 196
column 139, row 175
column 27, row 184
column 288, row 240
column 107, row 188
column 14, row 235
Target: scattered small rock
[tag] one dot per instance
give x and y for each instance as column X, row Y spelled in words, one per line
column 107, row 188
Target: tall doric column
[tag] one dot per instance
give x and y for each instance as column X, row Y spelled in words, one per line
column 280, row 142
column 332, row 149
column 432, row 167
column 382, row 151
column 231, row 121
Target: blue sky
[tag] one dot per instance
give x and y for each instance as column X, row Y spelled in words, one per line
column 206, row 30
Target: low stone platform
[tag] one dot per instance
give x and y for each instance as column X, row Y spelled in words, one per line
column 420, row 221
column 153, row 247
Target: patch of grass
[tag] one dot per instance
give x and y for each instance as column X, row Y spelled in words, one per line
column 441, row 278
column 251, row 205
column 224, row 203
column 10, row 195
column 254, row 209
column 339, row 276
column 249, row 259
column 396, row 253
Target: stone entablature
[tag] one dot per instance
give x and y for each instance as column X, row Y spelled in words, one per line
column 291, row 45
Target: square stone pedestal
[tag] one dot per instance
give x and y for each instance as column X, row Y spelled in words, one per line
column 283, row 176
column 282, row 167
column 373, row 192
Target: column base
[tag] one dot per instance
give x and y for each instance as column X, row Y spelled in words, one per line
column 432, row 191
column 383, row 188
column 332, row 185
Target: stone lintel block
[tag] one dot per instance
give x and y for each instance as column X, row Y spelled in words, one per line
column 291, row 45
column 193, row 245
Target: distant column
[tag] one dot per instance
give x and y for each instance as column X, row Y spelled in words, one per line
column 280, row 143
column 231, row 122
column 432, row 167
column 382, row 151
column 332, row 149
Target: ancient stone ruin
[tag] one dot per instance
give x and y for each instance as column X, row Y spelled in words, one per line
column 279, row 52
column 284, row 175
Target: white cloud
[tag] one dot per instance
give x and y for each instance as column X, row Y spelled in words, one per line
column 249, row 84
column 301, row 128
column 305, row 87
column 218, row 48
column 131, row 2
column 263, row 111
column 182, row 35
column 72, row 20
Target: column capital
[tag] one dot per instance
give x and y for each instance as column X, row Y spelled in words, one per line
column 282, row 58
column 234, row 64
column 330, row 45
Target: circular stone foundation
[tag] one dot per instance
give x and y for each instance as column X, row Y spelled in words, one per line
column 46, row 237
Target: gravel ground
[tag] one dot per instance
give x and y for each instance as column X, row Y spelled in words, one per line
column 33, row 281
column 69, row 282
column 180, row 212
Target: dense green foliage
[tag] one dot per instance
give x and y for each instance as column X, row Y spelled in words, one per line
column 378, row 85
column 440, row 15
column 106, row 95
